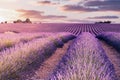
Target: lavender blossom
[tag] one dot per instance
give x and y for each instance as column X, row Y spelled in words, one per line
column 85, row 60
column 112, row 38
column 17, row 58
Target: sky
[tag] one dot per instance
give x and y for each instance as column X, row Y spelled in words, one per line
column 60, row 11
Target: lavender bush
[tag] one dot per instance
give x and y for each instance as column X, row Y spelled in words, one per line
column 85, row 60
column 112, row 38
column 8, row 40
column 20, row 56
column 66, row 36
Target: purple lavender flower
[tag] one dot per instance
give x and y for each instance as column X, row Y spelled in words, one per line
column 85, row 60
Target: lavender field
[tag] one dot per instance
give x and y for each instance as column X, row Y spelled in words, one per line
column 75, row 29
column 52, row 51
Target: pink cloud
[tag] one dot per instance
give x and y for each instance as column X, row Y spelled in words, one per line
column 37, row 14
column 46, row 3
column 30, row 13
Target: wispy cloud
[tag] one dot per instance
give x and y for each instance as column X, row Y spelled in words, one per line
column 106, row 5
column 93, row 5
column 77, row 8
column 29, row 13
column 52, row 17
column 104, row 17
column 37, row 14
column 46, row 3
column 79, row 21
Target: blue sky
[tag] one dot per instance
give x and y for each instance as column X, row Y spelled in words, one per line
column 82, row 11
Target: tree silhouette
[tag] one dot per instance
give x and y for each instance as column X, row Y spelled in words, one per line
column 5, row 22
column 20, row 21
column 106, row 22
column 27, row 21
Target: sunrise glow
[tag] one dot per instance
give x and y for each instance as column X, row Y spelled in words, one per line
column 60, row 10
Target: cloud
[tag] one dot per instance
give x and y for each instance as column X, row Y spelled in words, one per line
column 94, row 5
column 29, row 13
column 52, row 17
column 102, row 3
column 37, row 14
column 45, row 3
column 106, row 5
column 77, row 8
column 104, row 17
column 79, row 21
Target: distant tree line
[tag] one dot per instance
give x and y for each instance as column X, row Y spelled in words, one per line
column 4, row 22
column 20, row 21
column 107, row 22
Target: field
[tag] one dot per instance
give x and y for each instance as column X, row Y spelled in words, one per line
column 63, row 27
column 52, row 51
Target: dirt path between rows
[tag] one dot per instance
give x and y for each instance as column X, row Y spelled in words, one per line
column 113, row 55
column 47, row 67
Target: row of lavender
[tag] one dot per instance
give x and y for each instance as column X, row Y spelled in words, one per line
column 92, row 28
column 15, row 59
column 85, row 60
column 111, row 38
column 61, row 27
column 10, row 39
column 79, row 28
